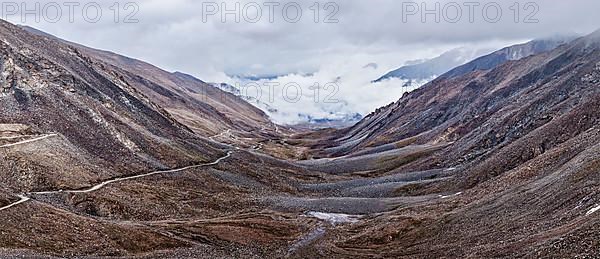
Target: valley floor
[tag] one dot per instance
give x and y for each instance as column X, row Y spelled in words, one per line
column 248, row 204
column 210, row 208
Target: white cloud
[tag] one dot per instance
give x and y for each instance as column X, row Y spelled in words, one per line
column 172, row 35
column 352, row 93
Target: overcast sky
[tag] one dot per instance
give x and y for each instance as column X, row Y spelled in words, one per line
column 182, row 35
column 172, row 33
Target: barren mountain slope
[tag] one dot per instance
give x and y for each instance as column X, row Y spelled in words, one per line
column 90, row 166
column 449, row 108
column 523, row 142
column 205, row 109
column 97, row 121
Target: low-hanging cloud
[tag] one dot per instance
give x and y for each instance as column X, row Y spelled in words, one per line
column 172, row 34
column 178, row 36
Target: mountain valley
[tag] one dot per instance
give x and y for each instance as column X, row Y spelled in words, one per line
column 102, row 156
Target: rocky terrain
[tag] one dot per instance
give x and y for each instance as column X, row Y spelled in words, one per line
column 461, row 61
column 522, row 140
column 105, row 156
column 203, row 108
column 511, row 53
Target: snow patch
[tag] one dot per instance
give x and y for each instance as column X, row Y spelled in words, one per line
column 449, row 196
column 334, row 218
column 592, row 210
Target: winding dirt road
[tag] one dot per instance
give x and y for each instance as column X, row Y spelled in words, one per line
column 99, row 186
column 29, row 140
column 22, row 199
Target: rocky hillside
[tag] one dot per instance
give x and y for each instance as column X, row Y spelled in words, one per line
column 92, row 164
column 504, row 55
column 100, row 123
column 200, row 106
column 452, row 98
column 522, row 140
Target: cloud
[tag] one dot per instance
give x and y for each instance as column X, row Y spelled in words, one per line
column 172, row 35
column 338, row 90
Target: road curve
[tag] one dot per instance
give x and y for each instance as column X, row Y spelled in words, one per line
column 22, row 199
column 105, row 183
column 116, row 180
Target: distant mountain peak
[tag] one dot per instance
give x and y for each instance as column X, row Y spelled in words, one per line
column 429, row 68
column 511, row 53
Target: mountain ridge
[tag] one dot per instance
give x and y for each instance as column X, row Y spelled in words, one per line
column 430, row 68
column 185, row 97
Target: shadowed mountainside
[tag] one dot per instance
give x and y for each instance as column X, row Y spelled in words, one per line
column 504, row 55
